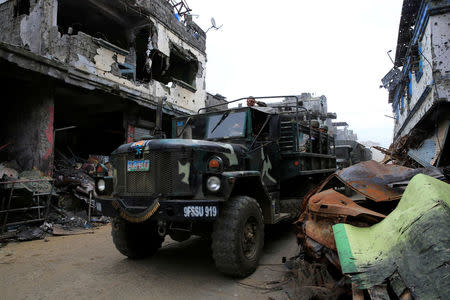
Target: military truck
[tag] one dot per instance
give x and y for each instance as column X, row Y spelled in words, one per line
column 349, row 152
column 223, row 175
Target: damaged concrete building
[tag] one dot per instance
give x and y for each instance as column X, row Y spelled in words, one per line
column 344, row 133
column 419, row 83
column 96, row 69
column 218, row 102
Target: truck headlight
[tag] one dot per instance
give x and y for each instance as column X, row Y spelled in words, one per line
column 101, row 185
column 213, row 183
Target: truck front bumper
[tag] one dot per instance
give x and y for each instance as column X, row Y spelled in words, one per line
column 160, row 209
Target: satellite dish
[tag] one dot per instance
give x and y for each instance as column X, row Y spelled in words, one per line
column 213, row 25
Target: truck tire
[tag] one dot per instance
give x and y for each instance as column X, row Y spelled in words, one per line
column 135, row 240
column 238, row 237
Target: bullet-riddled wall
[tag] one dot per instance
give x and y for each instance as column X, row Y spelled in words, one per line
column 429, row 83
column 130, row 53
column 106, row 38
column 418, row 84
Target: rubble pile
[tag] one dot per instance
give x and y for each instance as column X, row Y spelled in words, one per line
column 74, row 176
column 34, row 205
column 365, row 222
column 312, row 280
column 416, row 149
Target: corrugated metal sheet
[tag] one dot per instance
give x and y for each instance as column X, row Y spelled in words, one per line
column 426, row 153
column 139, row 132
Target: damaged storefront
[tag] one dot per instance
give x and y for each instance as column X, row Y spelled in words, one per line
column 80, row 78
column 84, row 83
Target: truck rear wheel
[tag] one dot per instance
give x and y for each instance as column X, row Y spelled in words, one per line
column 135, row 240
column 238, row 237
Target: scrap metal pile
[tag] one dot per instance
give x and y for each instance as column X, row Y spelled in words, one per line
column 363, row 224
column 33, row 204
column 75, row 176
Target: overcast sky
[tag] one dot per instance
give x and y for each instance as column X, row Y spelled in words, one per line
column 332, row 48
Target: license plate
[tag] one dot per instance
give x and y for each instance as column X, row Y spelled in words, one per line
column 198, row 211
column 138, row 165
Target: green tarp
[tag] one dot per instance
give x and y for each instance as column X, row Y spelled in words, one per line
column 412, row 243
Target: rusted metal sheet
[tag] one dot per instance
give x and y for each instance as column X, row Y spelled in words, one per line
column 375, row 184
column 330, row 207
column 345, row 197
column 332, row 203
column 371, row 179
column 314, row 191
column 321, row 231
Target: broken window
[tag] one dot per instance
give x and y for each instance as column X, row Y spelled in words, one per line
column 142, row 45
column 181, row 67
column 94, row 19
column 416, row 61
column 160, row 65
column 22, row 7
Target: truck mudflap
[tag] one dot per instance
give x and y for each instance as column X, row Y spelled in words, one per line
column 161, row 209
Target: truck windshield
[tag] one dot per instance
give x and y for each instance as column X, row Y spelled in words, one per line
column 223, row 125
column 226, row 125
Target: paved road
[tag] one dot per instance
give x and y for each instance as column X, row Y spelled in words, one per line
column 89, row 266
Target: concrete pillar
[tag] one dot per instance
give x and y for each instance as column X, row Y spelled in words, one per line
column 31, row 128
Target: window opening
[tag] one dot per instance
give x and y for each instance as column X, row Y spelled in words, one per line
column 22, row 7
column 143, row 55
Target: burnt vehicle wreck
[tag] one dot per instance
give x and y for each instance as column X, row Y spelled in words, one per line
column 223, row 174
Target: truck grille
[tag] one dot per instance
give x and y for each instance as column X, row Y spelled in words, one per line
column 162, row 178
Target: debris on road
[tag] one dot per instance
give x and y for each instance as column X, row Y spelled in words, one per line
column 409, row 248
column 24, row 200
column 73, row 176
column 34, row 204
column 312, row 280
column 59, row 229
column 360, row 198
column 303, row 279
column 361, row 195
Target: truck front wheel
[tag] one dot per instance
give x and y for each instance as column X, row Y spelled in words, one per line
column 135, row 240
column 238, row 237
